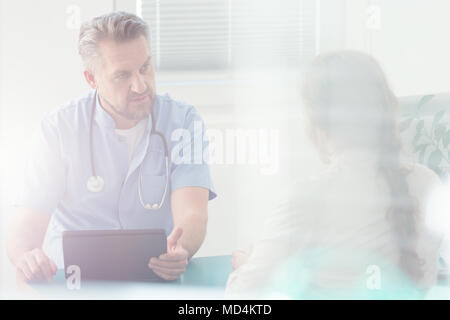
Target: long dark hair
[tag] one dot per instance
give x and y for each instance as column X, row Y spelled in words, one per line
column 352, row 85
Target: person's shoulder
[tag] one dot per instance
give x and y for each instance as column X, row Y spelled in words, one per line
column 166, row 101
column 421, row 176
column 293, row 200
column 68, row 113
column 177, row 111
column 422, row 182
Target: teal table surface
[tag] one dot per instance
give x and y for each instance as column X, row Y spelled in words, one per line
column 207, row 271
column 205, row 278
column 204, row 274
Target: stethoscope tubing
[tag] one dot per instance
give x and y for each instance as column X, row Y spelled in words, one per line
column 96, row 183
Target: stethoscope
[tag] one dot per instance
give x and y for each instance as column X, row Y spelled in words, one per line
column 96, row 183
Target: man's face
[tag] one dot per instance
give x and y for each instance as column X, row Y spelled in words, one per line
column 125, row 77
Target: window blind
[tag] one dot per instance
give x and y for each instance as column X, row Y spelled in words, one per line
column 224, row 34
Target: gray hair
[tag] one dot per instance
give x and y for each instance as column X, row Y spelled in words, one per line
column 118, row 26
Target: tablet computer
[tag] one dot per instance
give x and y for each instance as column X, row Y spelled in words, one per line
column 121, row 255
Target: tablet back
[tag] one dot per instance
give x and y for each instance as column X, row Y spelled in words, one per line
column 113, row 254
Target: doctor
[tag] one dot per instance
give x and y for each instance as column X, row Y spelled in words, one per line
column 104, row 161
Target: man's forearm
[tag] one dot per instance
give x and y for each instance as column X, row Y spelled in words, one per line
column 15, row 252
column 17, row 245
column 194, row 232
column 21, row 241
column 27, row 232
column 190, row 213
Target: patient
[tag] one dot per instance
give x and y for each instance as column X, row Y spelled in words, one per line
column 357, row 230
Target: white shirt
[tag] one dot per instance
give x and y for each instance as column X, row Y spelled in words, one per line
column 337, row 228
column 133, row 136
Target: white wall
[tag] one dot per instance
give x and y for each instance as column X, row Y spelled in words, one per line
column 411, row 44
column 40, row 67
column 39, row 70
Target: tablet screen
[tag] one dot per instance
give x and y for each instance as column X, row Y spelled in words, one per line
column 114, row 254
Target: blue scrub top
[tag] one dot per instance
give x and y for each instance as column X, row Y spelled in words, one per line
column 58, row 168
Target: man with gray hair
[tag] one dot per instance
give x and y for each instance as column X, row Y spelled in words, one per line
column 107, row 159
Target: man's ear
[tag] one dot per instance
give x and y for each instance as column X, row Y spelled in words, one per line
column 90, row 79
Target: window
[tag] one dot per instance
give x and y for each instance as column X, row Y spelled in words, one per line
column 226, row 34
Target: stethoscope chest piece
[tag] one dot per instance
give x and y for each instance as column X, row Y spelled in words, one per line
column 154, row 206
column 95, row 184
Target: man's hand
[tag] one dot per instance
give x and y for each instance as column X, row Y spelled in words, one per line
column 171, row 265
column 35, row 265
